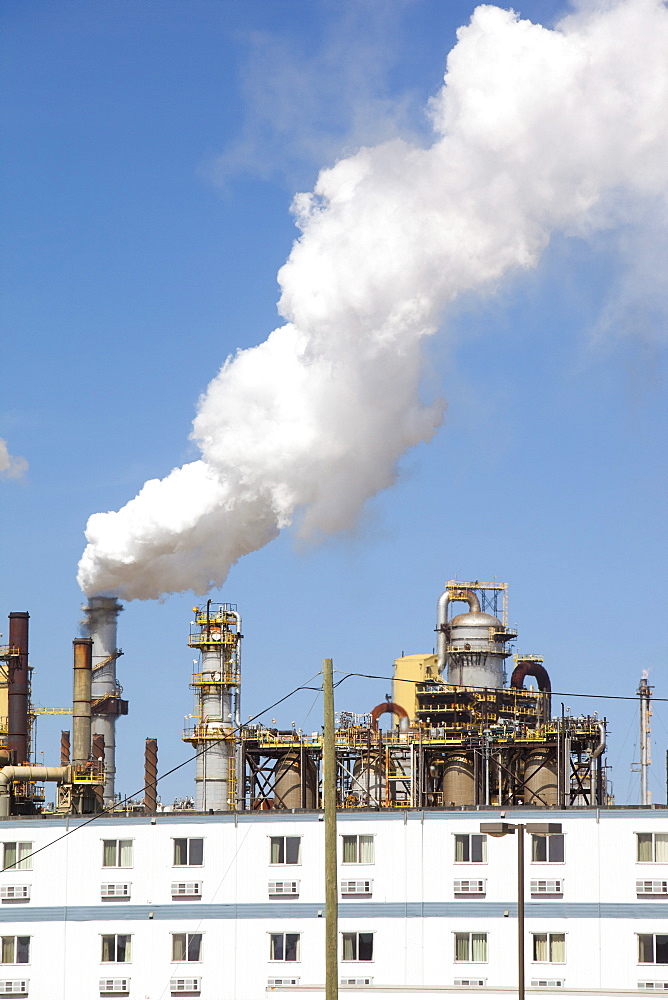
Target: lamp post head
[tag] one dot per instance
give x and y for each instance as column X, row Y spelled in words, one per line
column 497, row 829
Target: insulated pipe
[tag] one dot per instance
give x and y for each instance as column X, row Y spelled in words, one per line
column 81, row 711
column 442, row 620
column 386, row 706
column 151, row 775
column 17, row 688
column 601, row 746
column 64, row 747
column 101, row 625
column 29, row 772
column 531, row 668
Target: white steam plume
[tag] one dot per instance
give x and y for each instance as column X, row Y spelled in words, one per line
column 536, row 131
column 11, row 466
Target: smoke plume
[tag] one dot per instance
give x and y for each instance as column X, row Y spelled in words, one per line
column 11, row 466
column 536, row 132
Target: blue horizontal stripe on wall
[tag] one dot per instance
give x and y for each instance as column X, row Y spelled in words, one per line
column 13, row 914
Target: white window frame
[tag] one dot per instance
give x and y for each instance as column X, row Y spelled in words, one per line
column 469, row 887
column 186, row 890
column 114, row 986
column 654, row 935
column 187, row 935
column 118, row 851
column 284, row 935
column 115, row 890
column 470, row 935
column 549, row 839
column 185, row 984
column 285, row 838
column 357, row 887
column 23, row 850
column 188, row 842
column 547, row 886
column 116, row 961
column 283, row 887
column 14, row 987
column 652, row 887
column 549, row 935
column 653, row 834
column 15, row 893
column 356, row 947
column 356, row 840
column 15, row 948
column 469, row 839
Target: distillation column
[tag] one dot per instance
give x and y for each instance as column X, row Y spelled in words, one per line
column 216, row 633
column 101, row 625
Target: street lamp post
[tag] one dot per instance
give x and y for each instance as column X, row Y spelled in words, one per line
column 500, row 830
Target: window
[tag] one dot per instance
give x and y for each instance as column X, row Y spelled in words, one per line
column 15, row 950
column 652, row 887
column 358, row 849
column 188, row 985
column 284, row 888
column 282, row 981
column 652, row 949
column 549, row 947
column 188, row 851
column 116, row 947
column 652, row 847
column 547, row 982
column 9, row 893
column 117, row 854
column 285, row 850
column 284, row 947
column 661, row 987
column 357, row 887
column 17, row 854
column 115, row 890
column 188, row 890
column 186, row 947
column 547, row 887
column 114, row 986
column 471, row 847
column 470, row 982
column 13, row 987
column 357, row 981
column 470, row 886
column 470, row 947
column 357, row 946
column 547, row 847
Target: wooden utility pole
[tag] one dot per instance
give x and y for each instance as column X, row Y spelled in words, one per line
column 329, row 793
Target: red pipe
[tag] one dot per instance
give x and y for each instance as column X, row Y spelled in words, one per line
column 386, row 706
column 17, row 688
column 530, row 668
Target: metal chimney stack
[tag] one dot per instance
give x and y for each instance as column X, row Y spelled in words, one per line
column 100, row 624
column 18, row 687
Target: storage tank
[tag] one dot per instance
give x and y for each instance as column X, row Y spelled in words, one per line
column 458, row 780
column 288, row 791
column 541, row 786
column 369, row 783
column 475, row 657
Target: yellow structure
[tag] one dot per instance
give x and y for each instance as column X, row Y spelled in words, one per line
column 409, row 671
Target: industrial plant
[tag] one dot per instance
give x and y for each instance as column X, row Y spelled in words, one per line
column 166, row 899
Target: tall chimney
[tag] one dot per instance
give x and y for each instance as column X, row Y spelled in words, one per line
column 151, row 776
column 107, row 705
column 81, row 718
column 18, row 688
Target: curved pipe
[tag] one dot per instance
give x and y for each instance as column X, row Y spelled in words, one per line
column 601, row 747
column 531, row 668
column 28, row 772
column 386, row 706
column 442, row 620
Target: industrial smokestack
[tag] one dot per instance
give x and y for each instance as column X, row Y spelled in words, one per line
column 18, row 687
column 151, row 776
column 98, row 754
column 100, row 624
column 81, row 700
column 64, row 747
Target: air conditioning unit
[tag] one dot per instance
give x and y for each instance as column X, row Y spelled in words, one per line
column 470, row 886
column 114, row 987
column 652, row 887
column 284, row 888
column 357, row 981
column 13, row 987
column 189, row 985
column 115, row 890
column 659, row 987
column 470, row 982
column 547, row 982
column 357, row 887
column 190, row 890
column 10, row 892
column 282, row 982
column 547, row 886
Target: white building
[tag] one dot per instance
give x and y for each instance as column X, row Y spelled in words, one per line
column 230, row 906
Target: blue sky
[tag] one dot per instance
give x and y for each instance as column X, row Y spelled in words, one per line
column 152, row 153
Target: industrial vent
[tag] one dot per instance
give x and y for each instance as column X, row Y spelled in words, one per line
column 283, row 982
column 547, row 886
column 547, row 982
column 284, row 888
column 189, row 985
column 357, row 887
column 652, row 887
column 470, row 886
column 115, row 890
column 358, row 981
column 11, row 892
column 192, row 890
column 470, row 982
column 660, row 987
column 114, row 987
column 13, row 987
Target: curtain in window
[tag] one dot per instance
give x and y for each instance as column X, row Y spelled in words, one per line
column 479, row 947
column 461, row 847
column 349, row 947
column 108, row 947
column 462, row 948
column 109, row 854
column 277, row 850
column 125, row 853
column 558, row 947
column 540, row 953
column 350, row 850
column 178, row 947
column 661, row 847
column 644, row 846
column 538, row 847
column 180, row 851
column 645, row 948
column 7, row 950
column 25, row 849
column 366, row 849
column 10, row 855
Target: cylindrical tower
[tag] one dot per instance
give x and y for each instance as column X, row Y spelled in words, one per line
column 81, row 699
column 18, row 688
column 471, row 646
column 100, row 624
column 216, row 633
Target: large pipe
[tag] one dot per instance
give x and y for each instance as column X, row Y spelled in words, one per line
column 442, row 620
column 64, row 747
column 151, row 776
column 18, row 688
column 97, row 752
column 100, row 624
column 81, row 700
column 29, row 772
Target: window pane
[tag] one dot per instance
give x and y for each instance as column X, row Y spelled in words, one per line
column 661, row 846
column 25, row 861
column 461, row 947
column 196, row 852
column 538, row 847
column 10, row 855
column 661, row 949
column 178, row 947
column 366, row 848
column 108, row 947
column 194, row 947
column 277, row 856
column 292, row 947
column 125, row 853
column 461, row 847
column 644, row 846
column 557, row 947
column 540, row 947
column 292, row 850
column 23, row 950
column 478, row 847
column 556, row 846
column 479, row 947
column 349, row 947
column 365, row 948
column 180, row 851
column 350, row 850
column 645, row 948
column 123, row 948
column 276, row 949
column 7, row 950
